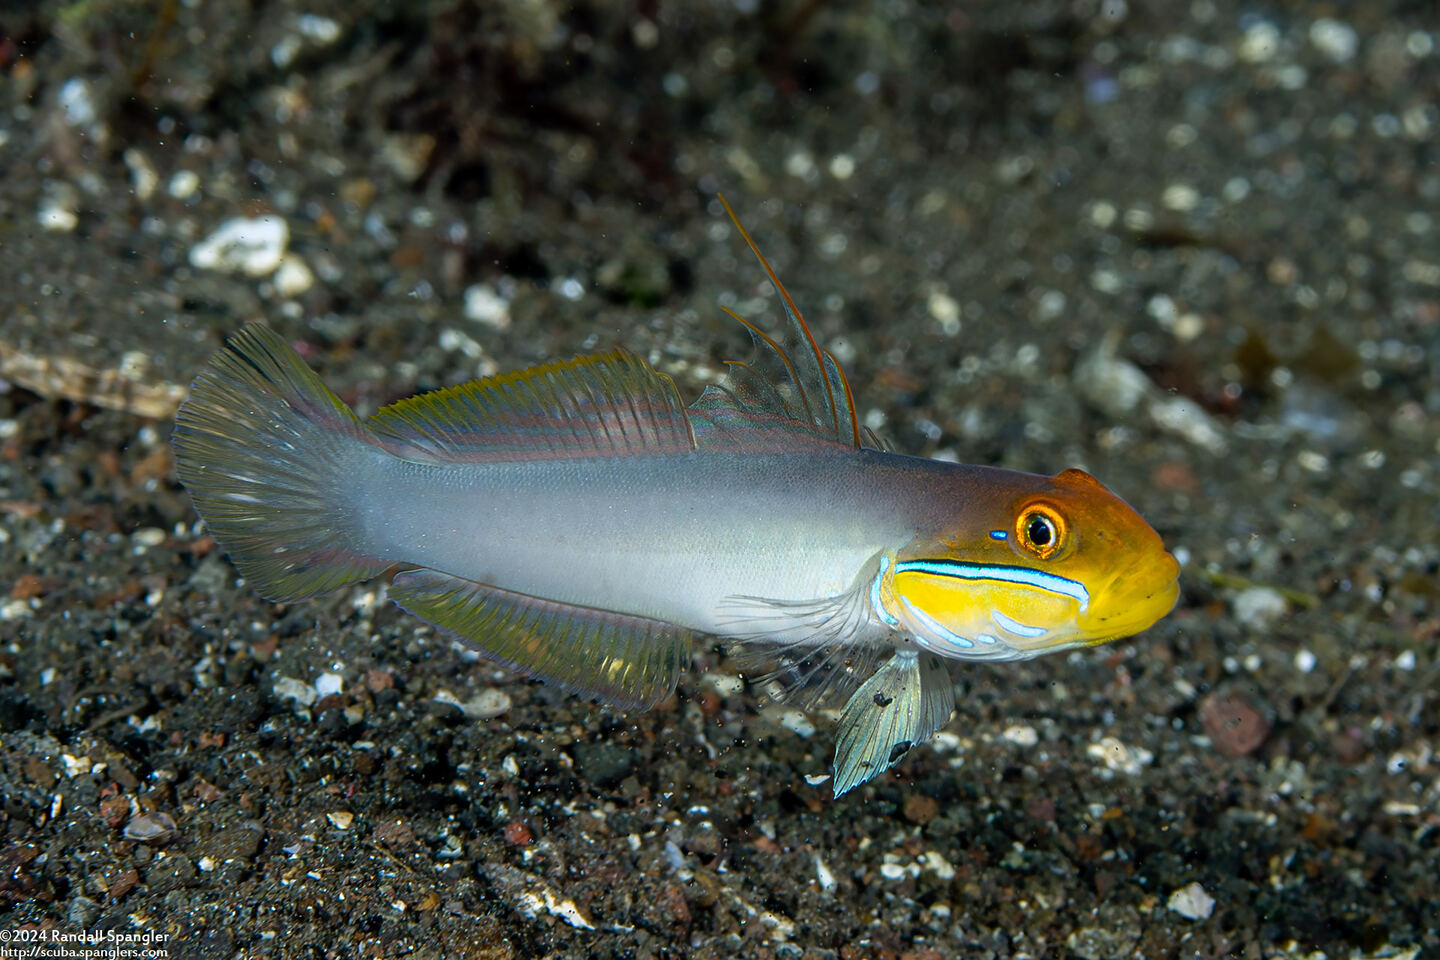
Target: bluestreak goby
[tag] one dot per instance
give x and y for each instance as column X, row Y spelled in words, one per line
column 579, row 523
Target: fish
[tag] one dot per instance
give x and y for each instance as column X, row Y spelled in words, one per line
column 581, row 524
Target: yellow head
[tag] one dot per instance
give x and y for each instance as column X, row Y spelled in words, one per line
column 1039, row 564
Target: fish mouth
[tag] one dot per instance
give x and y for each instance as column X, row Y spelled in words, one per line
column 1134, row 600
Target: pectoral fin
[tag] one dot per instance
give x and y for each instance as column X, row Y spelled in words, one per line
column 626, row 661
column 904, row 703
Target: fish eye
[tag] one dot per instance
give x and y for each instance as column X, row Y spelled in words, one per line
column 1040, row 530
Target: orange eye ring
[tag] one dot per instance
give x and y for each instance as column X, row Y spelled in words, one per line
column 1041, row 530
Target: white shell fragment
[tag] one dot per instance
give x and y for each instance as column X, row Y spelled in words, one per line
column 1022, row 735
column 486, row 705
column 289, row 688
column 824, row 876
column 796, row 722
column 1258, row 607
column 1192, row 902
column 531, row 903
column 1118, row 757
column 77, row 102
column 56, row 211
column 1334, row 38
column 1112, row 385
column 151, row 827
column 293, row 277
column 1187, row 419
column 254, row 246
column 484, row 305
column 1119, row 389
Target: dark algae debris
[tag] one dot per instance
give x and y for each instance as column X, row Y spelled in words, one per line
column 1189, row 246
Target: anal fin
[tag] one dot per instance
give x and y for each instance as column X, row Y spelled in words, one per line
column 904, row 703
column 626, row 661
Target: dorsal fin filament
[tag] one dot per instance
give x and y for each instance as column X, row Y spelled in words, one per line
column 832, row 365
column 828, row 370
column 779, row 352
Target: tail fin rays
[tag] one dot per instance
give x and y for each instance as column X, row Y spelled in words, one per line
column 265, row 449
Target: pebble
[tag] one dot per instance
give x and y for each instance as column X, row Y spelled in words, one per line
column 293, row 277
column 15, row 610
column 328, row 684
column 486, row 705
column 184, row 184
column 1192, row 902
column 1235, row 725
column 252, row 246
column 239, row 842
column 341, row 819
column 155, row 827
column 946, row 310
column 1099, row 943
column 1120, row 758
column 1112, row 384
column 823, row 875
column 892, row 871
column 1258, row 607
column 1335, row 39
column 407, row 154
column 1260, row 42
column 796, row 722
column 289, row 688
column 56, row 211
column 1180, row 197
column 921, row 808
column 484, row 305
column 531, row 904
column 936, row 863
column 148, row 537
column 143, row 178
column 312, row 28
column 322, row 30
column 77, row 102
column 1022, row 735
column 444, row 703
column 83, row 913
column 1187, row 419
column 603, row 764
column 725, row 684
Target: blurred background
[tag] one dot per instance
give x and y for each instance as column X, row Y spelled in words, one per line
column 1189, row 246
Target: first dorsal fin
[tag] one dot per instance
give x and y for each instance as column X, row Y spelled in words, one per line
column 603, row 405
column 795, row 387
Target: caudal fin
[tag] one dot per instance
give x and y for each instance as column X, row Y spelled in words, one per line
column 265, row 450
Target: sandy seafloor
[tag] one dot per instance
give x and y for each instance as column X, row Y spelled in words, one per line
column 968, row 200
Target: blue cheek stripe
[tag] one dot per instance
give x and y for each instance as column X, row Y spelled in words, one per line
column 877, row 606
column 999, row 535
column 951, row 638
column 1000, row 573
column 1015, row 626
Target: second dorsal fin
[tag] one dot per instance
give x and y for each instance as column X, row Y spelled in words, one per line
column 794, row 387
column 603, row 405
